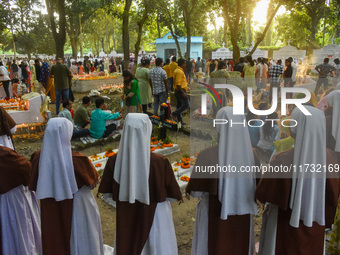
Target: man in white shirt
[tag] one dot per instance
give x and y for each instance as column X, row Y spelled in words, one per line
column 74, row 69
column 4, row 78
column 294, row 67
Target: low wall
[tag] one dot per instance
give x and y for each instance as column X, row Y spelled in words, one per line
column 82, row 86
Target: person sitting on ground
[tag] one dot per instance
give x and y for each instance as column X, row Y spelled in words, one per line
column 101, row 67
column 98, row 128
column 66, row 113
column 82, row 114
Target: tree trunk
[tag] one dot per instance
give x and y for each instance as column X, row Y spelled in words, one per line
column 179, row 51
column 80, row 37
column 140, row 31
column 233, row 27
column 187, row 54
column 60, row 50
column 74, row 48
column 261, row 37
column 126, row 37
column 158, row 27
column 103, row 44
column 236, row 50
column 249, row 32
column 113, row 38
column 73, row 38
column 188, row 28
column 60, row 36
column 169, row 22
column 225, row 33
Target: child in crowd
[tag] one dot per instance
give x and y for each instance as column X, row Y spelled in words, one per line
column 22, row 88
column 15, row 84
column 92, row 68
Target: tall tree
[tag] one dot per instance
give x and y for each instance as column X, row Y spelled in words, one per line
column 59, row 32
column 234, row 11
column 192, row 13
column 168, row 16
column 77, row 13
column 271, row 15
column 305, row 15
column 140, row 23
column 23, row 22
column 125, row 32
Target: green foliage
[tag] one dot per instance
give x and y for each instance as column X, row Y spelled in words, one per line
column 302, row 25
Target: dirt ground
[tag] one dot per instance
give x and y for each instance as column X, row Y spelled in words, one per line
column 183, row 214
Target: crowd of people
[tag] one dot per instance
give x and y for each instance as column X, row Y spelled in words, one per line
column 156, row 84
column 299, row 204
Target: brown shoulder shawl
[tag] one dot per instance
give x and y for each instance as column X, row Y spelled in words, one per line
column 134, row 221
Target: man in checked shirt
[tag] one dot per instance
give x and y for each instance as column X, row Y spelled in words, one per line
column 274, row 73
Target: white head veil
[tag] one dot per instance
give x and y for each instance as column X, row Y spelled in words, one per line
column 334, row 101
column 307, row 199
column 236, row 191
column 56, row 173
column 132, row 167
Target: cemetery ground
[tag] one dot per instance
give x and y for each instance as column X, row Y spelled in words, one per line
column 183, row 214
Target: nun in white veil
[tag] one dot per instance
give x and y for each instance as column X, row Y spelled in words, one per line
column 19, row 210
column 303, row 204
column 142, row 184
column 235, row 192
column 67, row 177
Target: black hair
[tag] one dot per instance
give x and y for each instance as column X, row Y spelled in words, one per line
column 221, row 65
column 167, row 61
column 15, row 80
column 99, row 102
column 66, row 103
column 23, row 80
column 251, row 116
column 279, row 62
column 159, row 61
column 181, row 61
column 268, row 127
column 145, row 62
column 241, row 60
column 337, row 61
column 86, row 100
column 127, row 73
column 326, row 60
column 250, row 60
column 174, row 58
